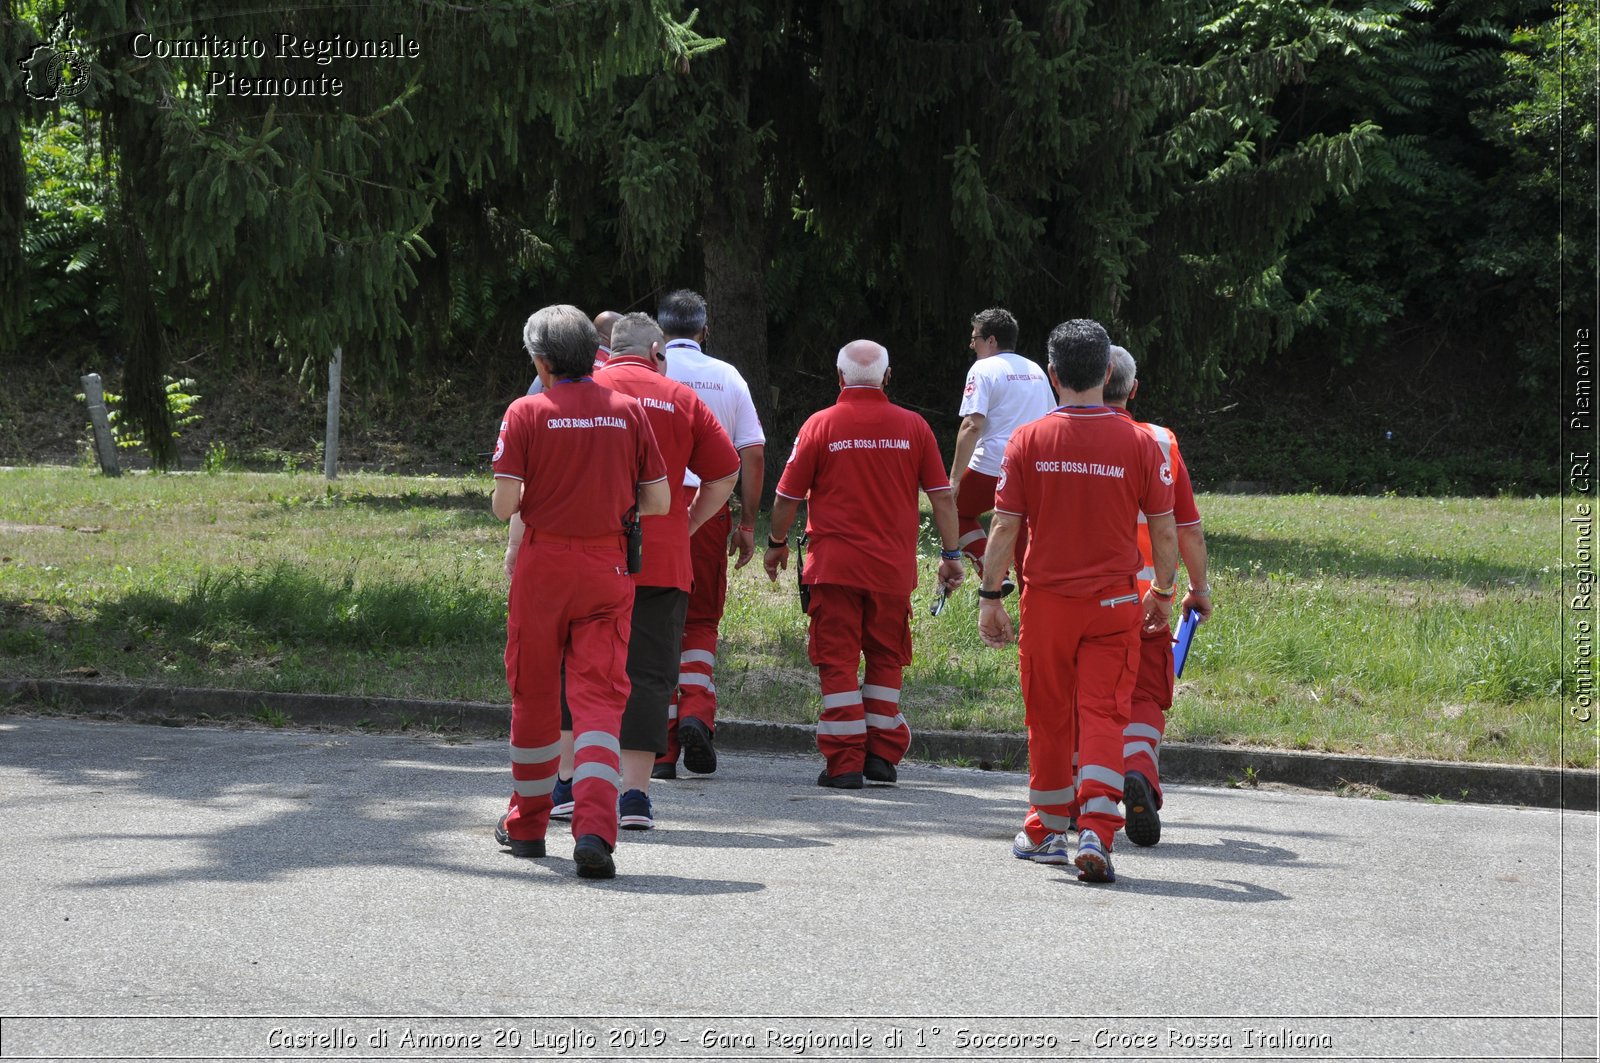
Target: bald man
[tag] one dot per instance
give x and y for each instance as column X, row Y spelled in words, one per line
column 858, row 466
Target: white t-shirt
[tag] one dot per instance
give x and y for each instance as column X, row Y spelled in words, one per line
column 1009, row 391
column 720, row 387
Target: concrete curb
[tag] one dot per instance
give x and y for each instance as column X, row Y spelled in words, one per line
column 1570, row 788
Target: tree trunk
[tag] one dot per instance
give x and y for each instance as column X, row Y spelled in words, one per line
column 734, row 241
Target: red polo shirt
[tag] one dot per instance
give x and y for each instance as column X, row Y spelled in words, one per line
column 858, row 464
column 1081, row 475
column 580, row 451
column 690, row 438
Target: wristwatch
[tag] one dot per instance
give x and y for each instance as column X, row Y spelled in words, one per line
column 993, row 596
column 777, row 544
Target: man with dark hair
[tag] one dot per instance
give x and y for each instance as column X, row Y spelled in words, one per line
column 569, row 464
column 692, row 719
column 1079, row 477
column 1152, row 692
column 691, row 440
column 858, row 466
column 1003, row 390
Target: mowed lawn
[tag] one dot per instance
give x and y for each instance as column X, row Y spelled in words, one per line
column 1414, row 627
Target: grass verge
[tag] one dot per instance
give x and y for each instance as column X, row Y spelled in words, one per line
column 1410, row 627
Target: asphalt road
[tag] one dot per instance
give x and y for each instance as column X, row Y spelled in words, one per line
column 213, row 893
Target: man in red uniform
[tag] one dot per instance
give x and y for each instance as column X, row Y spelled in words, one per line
column 1079, row 477
column 858, row 465
column 1152, row 693
column 570, row 462
column 690, row 439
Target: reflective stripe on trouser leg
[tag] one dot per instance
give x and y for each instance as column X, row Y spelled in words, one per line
column 597, row 691
column 708, row 553
column 1147, row 718
column 1075, row 653
column 1108, row 663
column 835, row 648
column 886, row 645
column 974, row 497
column 553, row 585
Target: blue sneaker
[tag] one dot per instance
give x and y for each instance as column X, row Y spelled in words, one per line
column 633, row 811
column 1094, row 863
column 1053, row 850
column 561, row 798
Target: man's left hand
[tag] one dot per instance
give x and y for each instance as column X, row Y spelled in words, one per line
column 1157, row 613
column 951, row 573
column 776, row 557
column 994, row 623
column 743, row 543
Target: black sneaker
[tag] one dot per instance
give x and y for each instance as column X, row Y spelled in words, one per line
column 879, row 770
column 699, row 755
column 663, row 770
column 534, row 849
column 848, row 780
column 593, row 857
column 1143, row 822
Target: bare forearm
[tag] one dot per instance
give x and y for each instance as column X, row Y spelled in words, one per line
column 966, row 442
column 783, row 511
column 1163, row 549
column 1192, row 548
column 1002, row 544
column 944, row 518
column 752, row 477
column 708, row 501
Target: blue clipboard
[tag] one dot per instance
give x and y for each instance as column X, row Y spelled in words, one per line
column 1180, row 645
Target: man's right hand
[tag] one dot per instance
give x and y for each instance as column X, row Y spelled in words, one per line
column 511, row 561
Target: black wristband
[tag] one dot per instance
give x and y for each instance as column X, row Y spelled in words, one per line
column 993, row 596
column 777, row 544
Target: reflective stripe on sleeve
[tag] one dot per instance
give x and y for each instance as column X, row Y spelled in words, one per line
column 841, row 727
column 971, row 537
column 535, row 756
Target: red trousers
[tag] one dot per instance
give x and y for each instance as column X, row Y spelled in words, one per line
column 697, row 661
column 974, row 498
column 860, row 718
column 1080, row 660
column 1147, row 720
column 571, row 605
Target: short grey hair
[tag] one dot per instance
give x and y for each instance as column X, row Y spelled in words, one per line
column 564, row 336
column 863, row 362
column 1124, row 370
column 636, row 330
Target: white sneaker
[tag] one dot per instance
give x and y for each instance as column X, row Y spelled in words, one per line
column 1053, row 850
